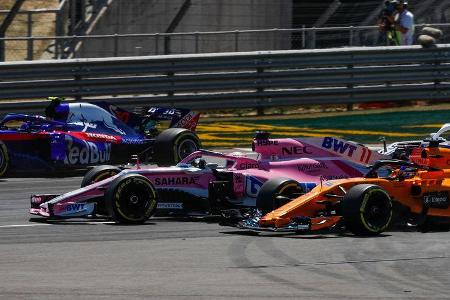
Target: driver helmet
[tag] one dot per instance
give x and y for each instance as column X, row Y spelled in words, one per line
column 150, row 125
column 399, row 2
column 56, row 110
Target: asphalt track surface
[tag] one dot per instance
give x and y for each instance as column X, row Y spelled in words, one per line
column 198, row 259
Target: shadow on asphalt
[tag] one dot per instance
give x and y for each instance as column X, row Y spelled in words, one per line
column 55, row 174
column 130, row 225
column 200, row 219
column 301, row 236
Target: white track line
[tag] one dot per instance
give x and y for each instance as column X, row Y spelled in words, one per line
column 49, row 224
column 55, row 223
column 24, row 225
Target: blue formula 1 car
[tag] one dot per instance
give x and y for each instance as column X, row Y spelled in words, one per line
column 77, row 135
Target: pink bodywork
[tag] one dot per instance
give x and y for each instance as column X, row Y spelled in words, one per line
column 315, row 148
column 306, row 160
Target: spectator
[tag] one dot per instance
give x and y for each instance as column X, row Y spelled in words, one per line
column 388, row 34
column 403, row 22
column 386, row 27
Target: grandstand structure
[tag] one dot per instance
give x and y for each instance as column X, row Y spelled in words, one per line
column 203, row 19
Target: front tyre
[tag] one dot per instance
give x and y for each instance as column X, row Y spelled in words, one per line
column 367, row 209
column 4, row 159
column 174, row 144
column 276, row 192
column 131, row 199
column 99, row 173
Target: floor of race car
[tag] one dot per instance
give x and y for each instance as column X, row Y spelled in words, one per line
column 176, row 259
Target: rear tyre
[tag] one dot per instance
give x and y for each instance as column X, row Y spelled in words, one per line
column 99, row 173
column 367, row 210
column 276, row 192
column 131, row 199
column 174, row 144
column 4, row 160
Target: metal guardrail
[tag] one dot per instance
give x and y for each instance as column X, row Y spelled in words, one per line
column 234, row 80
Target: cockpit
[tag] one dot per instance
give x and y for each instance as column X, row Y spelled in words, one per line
column 207, row 159
column 94, row 118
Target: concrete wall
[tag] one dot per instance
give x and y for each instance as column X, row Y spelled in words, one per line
column 154, row 16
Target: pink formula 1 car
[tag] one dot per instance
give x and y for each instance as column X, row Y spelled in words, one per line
column 208, row 182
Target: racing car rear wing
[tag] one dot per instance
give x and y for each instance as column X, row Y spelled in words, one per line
column 178, row 117
column 312, row 147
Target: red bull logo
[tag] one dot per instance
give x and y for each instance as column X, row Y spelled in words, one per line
column 84, row 152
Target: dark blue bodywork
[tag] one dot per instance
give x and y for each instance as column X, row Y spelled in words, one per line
column 82, row 134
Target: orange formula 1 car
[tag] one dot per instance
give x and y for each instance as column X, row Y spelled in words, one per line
column 417, row 192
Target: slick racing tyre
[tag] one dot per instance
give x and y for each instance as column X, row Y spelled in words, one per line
column 99, row 173
column 276, row 192
column 174, row 144
column 4, row 159
column 367, row 209
column 131, row 199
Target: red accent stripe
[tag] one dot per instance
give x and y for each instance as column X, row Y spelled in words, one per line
column 347, row 169
column 369, row 154
column 91, row 137
column 23, row 136
column 361, row 159
column 95, row 137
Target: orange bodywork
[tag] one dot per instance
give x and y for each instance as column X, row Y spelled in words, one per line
column 409, row 191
